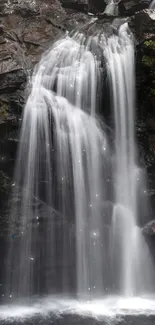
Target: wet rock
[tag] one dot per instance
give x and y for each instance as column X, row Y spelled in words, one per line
column 149, row 229
column 144, row 30
column 81, row 5
column 125, row 7
column 129, row 7
column 143, row 25
column 97, row 5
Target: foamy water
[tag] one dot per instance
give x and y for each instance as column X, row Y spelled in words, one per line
column 104, row 308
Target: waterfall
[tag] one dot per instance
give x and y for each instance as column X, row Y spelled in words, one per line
column 59, row 177
column 76, row 232
column 126, row 240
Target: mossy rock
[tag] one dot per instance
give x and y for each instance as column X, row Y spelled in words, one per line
column 148, row 61
column 3, row 111
column 152, row 92
column 150, row 45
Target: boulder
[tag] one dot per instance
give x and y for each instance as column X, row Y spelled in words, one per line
column 129, row 7
column 126, row 7
column 143, row 25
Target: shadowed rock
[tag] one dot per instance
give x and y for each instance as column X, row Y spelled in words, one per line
column 149, row 229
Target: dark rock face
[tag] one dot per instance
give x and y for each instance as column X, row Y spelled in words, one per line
column 149, row 229
column 81, row 5
column 143, row 27
column 129, row 7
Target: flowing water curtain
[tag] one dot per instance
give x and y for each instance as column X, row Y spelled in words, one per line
column 126, row 240
column 112, row 7
column 152, row 5
column 59, row 176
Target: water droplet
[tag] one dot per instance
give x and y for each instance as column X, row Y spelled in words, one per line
column 10, row 296
column 32, row 258
column 13, row 184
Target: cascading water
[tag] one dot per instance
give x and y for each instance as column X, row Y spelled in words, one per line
column 61, row 192
column 61, row 166
column 131, row 272
column 112, row 8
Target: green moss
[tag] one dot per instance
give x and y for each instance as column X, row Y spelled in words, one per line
column 3, row 110
column 150, row 44
column 152, row 91
column 148, row 61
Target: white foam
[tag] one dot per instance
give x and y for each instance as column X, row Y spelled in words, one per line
column 110, row 307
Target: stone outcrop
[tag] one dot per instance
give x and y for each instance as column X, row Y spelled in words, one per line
column 129, row 7
column 149, row 229
column 143, row 27
column 126, row 7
